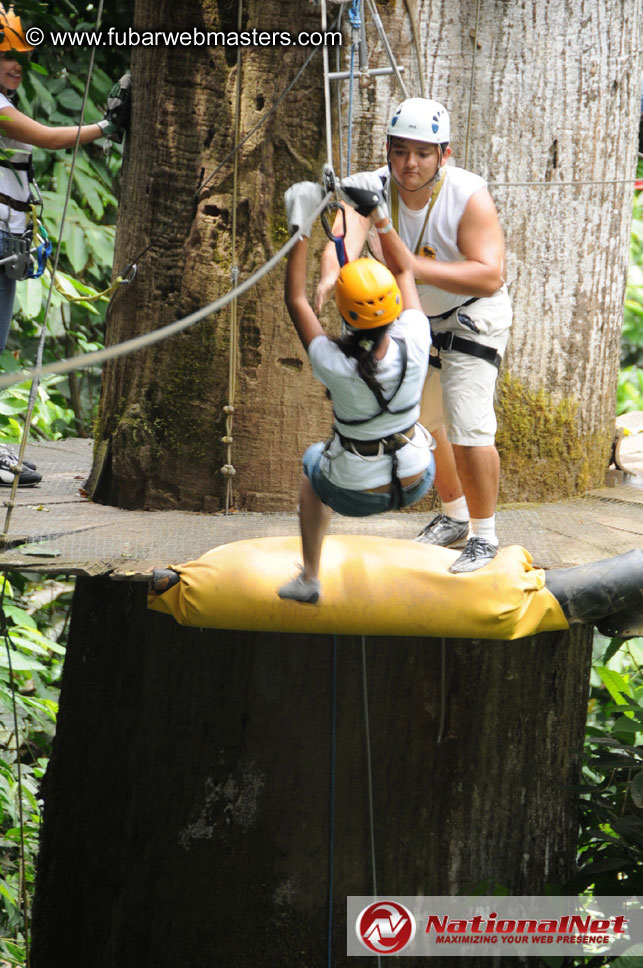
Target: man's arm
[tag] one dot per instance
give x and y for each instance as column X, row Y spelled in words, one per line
column 400, row 262
column 481, row 241
column 356, row 231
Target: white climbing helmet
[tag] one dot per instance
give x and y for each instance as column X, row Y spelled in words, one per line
column 421, row 119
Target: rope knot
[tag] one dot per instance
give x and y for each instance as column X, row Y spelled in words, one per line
column 228, row 470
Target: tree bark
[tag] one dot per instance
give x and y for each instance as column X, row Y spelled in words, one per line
column 553, row 97
column 187, row 799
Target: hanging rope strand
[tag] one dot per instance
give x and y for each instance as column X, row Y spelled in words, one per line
column 369, row 773
column 228, row 468
column 10, row 503
column 354, row 15
column 24, row 897
column 331, row 805
column 473, row 71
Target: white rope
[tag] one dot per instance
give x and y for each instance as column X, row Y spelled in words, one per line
column 473, row 70
column 156, row 336
column 329, row 141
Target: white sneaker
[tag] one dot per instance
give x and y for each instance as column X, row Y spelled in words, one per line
column 300, row 589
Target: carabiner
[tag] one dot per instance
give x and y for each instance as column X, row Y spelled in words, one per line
column 340, row 247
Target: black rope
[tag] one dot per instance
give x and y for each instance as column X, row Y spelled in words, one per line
column 4, row 630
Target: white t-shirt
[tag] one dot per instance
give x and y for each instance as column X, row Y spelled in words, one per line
column 440, row 234
column 353, row 400
column 13, row 183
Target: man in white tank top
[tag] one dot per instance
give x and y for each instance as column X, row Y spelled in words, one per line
column 448, row 221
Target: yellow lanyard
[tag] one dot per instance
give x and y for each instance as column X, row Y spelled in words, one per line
column 395, row 208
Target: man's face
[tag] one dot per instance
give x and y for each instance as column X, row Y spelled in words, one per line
column 414, row 163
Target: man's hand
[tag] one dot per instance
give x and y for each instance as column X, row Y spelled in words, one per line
column 364, row 192
column 301, row 201
column 324, row 290
column 117, row 113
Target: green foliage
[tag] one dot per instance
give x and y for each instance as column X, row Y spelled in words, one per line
column 31, row 658
column 51, row 92
column 611, row 839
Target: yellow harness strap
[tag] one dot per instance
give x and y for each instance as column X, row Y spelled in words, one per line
column 395, row 208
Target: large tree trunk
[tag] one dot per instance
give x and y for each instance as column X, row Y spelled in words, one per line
column 555, row 98
column 187, row 801
column 186, row 818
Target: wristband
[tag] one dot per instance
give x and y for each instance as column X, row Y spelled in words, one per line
column 386, row 228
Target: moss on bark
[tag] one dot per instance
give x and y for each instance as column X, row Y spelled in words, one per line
column 544, row 452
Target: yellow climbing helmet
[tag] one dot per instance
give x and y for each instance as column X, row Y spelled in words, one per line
column 367, row 294
column 11, row 33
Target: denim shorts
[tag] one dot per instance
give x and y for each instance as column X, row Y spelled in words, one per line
column 359, row 504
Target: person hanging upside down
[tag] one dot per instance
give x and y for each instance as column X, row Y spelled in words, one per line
column 379, row 457
column 447, row 219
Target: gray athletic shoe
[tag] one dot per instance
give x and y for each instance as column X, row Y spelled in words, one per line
column 12, row 453
column 300, row 589
column 477, row 552
column 444, row 531
column 27, row 477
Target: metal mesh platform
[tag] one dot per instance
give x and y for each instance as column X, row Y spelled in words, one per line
column 55, row 529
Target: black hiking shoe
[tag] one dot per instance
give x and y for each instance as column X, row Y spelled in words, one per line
column 477, row 553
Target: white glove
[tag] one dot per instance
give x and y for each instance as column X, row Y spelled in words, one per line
column 365, row 193
column 301, row 201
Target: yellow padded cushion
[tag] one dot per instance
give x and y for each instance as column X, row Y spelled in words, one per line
column 370, row 586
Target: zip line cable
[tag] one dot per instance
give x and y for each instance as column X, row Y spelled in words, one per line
column 233, row 151
column 147, row 339
column 10, row 503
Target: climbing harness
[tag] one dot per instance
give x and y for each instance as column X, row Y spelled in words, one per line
column 450, row 341
column 389, row 444
column 24, row 255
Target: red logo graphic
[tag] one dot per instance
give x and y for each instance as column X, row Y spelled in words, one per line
column 385, row 927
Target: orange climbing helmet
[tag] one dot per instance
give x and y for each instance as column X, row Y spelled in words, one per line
column 12, row 36
column 367, row 294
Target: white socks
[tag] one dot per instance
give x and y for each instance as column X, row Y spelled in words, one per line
column 457, row 509
column 484, row 528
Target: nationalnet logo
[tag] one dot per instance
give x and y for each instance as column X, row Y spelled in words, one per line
column 570, row 929
column 385, row 927
column 491, row 926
